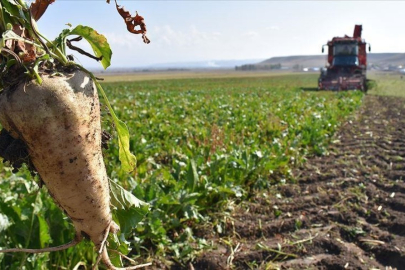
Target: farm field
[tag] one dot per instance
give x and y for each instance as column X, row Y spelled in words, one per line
column 346, row 210
column 241, row 172
column 187, row 74
column 389, row 84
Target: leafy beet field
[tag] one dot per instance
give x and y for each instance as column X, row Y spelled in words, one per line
column 258, row 172
column 344, row 211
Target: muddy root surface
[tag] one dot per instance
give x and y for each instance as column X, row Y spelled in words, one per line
column 346, row 210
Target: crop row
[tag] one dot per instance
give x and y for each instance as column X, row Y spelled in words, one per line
column 201, row 146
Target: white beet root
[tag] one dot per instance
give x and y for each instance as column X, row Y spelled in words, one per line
column 59, row 121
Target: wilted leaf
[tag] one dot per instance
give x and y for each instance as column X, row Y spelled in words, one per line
column 133, row 22
column 39, row 7
column 15, row 41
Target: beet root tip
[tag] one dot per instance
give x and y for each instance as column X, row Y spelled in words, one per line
column 105, row 258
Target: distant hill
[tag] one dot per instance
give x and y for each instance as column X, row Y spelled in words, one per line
column 300, row 60
column 385, row 59
column 375, row 59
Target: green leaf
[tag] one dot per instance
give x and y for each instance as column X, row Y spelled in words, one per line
column 130, row 210
column 60, row 41
column 123, row 199
column 37, row 206
column 13, row 9
column 44, row 235
column 192, row 175
column 115, row 244
column 130, row 218
column 127, row 159
column 35, row 69
column 4, row 222
column 97, row 41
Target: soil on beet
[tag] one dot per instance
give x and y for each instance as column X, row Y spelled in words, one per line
column 346, row 210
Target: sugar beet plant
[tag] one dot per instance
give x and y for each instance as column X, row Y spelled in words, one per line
column 204, row 144
column 50, row 114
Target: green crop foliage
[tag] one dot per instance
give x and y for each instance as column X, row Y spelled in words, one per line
column 387, row 84
column 201, row 145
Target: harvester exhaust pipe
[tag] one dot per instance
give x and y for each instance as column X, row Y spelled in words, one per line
column 357, row 31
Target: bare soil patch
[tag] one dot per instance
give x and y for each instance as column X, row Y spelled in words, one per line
column 346, row 210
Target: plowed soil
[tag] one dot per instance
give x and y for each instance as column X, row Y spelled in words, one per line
column 345, row 211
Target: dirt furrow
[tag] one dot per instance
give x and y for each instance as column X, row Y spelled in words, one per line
column 346, row 211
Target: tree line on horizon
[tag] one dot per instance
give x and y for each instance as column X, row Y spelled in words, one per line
column 258, row 67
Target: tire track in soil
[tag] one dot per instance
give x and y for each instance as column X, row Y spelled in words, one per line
column 347, row 210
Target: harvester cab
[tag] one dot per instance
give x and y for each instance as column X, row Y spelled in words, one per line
column 347, row 63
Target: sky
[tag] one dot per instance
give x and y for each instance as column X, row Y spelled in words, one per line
column 188, row 31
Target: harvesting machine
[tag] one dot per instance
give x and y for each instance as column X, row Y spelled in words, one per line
column 347, row 63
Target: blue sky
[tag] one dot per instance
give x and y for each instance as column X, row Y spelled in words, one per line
column 184, row 31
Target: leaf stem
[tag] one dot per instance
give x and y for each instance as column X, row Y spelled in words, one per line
column 41, row 250
column 60, row 56
column 3, row 25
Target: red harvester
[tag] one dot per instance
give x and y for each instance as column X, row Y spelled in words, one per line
column 347, row 63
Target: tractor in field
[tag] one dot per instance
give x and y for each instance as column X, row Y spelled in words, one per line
column 347, row 63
